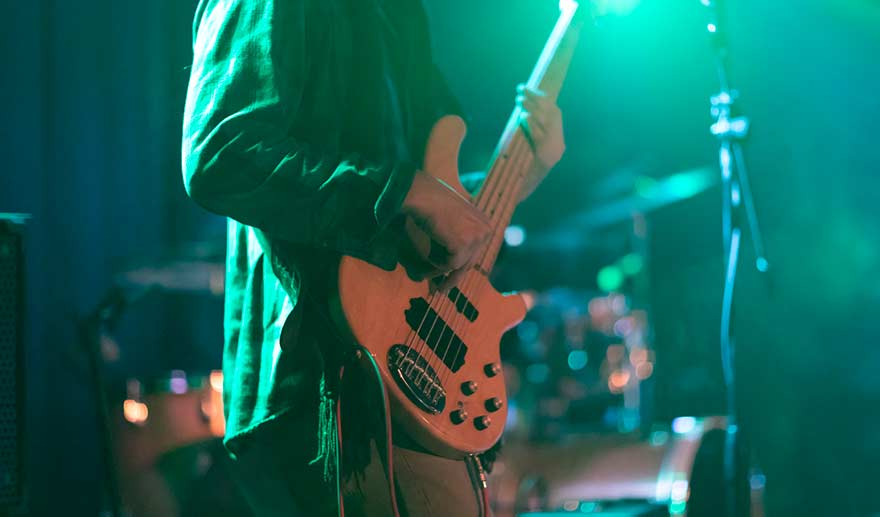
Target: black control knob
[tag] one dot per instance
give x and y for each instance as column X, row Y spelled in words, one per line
column 483, row 422
column 458, row 416
column 494, row 404
column 469, row 387
column 492, row 369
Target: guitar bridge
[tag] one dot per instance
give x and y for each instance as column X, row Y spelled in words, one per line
column 417, row 379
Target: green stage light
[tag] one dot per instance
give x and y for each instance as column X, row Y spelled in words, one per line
column 617, row 7
column 610, row 278
column 688, row 184
column 632, row 264
column 577, row 359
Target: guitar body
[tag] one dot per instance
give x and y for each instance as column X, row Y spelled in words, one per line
column 438, row 355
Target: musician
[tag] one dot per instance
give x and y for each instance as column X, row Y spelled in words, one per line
column 305, row 125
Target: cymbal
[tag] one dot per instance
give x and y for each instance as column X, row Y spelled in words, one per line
column 647, row 195
column 13, row 218
column 195, row 267
column 181, row 276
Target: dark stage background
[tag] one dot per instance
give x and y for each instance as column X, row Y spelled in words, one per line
column 93, row 95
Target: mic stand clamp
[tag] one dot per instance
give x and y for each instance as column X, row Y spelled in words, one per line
column 725, row 127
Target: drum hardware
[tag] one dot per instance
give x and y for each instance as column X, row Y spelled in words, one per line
column 168, row 412
column 673, row 471
column 580, row 364
column 645, row 195
column 198, row 270
column 189, row 276
column 167, row 432
column 195, row 268
column 90, row 330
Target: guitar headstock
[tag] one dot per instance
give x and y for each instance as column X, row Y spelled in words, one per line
column 552, row 66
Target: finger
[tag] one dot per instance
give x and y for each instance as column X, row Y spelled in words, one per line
column 537, row 102
column 540, row 100
column 460, row 259
column 439, row 259
column 452, row 280
column 533, row 130
column 543, row 107
column 524, row 89
column 536, row 111
column 526, row 125
column 539, row 134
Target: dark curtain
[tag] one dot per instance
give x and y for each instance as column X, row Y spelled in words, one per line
column 93, row 93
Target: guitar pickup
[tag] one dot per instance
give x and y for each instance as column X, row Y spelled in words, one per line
column 463, row 305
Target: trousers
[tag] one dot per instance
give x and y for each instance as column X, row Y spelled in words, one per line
column 277, row 477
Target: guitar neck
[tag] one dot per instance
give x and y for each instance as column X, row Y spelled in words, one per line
column 514, row 159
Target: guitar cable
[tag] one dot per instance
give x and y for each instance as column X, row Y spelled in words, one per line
column 359, row 355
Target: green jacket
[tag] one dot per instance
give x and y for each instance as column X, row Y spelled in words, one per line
column 305, row 121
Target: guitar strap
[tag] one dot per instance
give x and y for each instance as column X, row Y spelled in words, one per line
column 363, row 363
column 343, row 466
column 375, row 431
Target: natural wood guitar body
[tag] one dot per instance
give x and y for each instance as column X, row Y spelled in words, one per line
column 374, row 304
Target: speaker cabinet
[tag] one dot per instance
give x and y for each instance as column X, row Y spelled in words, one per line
column 11, row 360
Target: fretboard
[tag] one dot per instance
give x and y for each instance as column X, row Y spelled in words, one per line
column 514, row 159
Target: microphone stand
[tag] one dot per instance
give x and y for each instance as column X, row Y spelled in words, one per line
column 731, row 131
column 90, row 328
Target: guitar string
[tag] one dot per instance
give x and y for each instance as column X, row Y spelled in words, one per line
column 495, row 180
column 414, row 333
column 513, row 161
column 440, row 314
column 515, row 143
column 510, row 203
column 434, row 360
column 419, row 350
column 514, row 155
column 507, row 202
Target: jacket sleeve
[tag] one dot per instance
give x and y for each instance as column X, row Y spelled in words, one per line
column 249, row 69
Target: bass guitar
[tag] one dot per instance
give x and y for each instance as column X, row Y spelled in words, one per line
column 438, row 353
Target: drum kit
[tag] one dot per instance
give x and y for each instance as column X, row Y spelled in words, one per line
column 166, row 430
column 581, row 438
column 171, row 461
column 667, row 472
